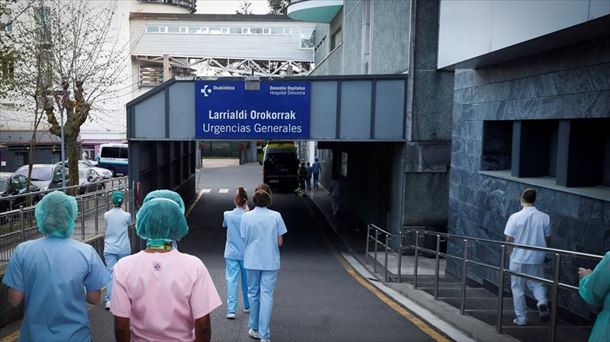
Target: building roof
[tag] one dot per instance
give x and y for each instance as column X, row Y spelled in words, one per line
column 212, row 17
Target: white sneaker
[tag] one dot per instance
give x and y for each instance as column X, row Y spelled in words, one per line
column 254, row 334
column 520, row 323
column 265, row 340
column 230, row 316
column 247, row 310
column 107, row 307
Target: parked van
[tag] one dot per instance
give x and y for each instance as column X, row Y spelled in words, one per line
column 114, row 158
column 280, row 165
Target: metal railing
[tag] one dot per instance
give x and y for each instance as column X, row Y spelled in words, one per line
column 399, row 242
column 19, row 225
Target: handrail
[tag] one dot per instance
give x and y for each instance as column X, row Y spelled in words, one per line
column 120, row 180
column 373, row 236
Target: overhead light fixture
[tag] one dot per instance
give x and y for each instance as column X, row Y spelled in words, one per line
column 252, row 83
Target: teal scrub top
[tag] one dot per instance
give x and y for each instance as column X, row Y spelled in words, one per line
column 594, row 288
column 54, row 274
column 234, row 248
column 260, row 228
column 116, row 240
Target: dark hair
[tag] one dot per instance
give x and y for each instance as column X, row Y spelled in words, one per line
column 529, row 195
column 261, row 198
column 241, row 197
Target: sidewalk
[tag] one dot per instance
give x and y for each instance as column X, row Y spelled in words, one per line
column 480, row 316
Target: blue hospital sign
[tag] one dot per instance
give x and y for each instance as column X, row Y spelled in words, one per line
column 226, row 110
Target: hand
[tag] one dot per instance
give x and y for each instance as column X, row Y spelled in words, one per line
column 582, row 272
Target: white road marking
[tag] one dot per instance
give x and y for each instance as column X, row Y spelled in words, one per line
column 223, row 191
column 206, row 191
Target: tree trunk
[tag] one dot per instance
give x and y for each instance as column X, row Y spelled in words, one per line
column 72, row 146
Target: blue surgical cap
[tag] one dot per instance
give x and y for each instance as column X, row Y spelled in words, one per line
column 161, row 219
column 55, row 214
column 117, row 197
column 168, row 194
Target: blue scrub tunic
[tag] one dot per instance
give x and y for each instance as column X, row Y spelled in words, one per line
column 260, row 228
column 54, row 274
column 234, row 248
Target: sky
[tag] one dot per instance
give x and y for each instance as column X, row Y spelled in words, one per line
column 230, row 6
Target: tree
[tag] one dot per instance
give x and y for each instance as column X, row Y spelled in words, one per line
column 244, row 8
column 278, row 7
column 74, row 59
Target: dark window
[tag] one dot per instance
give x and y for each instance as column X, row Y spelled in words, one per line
column 532, row 148
column 123, row 153
column 497, row 145
column 336, row 38
column 21, row 158
column 111, row 152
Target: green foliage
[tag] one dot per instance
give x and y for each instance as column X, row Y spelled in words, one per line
column 278, row 7
column 244, row 8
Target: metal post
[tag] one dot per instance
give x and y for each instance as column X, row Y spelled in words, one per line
column 554, row 297
column 108, row 195
column 82, row 217
column 376, row 240
column 437, row 266
column 63, row 152
column 10, row 203
column 399, row 273
column 501, row 291
column 464, row 272
column 416, row 259
column 387, row 239
column 22, row 222
column 368, row 237
column 97, row 213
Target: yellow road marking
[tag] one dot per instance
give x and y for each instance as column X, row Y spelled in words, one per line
column 421, row 325
column 188, row 212
column 14, row 337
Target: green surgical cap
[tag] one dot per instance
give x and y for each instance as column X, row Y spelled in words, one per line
column 161, row 219
column 55, row 215
column 117, row 197
column 168, row 194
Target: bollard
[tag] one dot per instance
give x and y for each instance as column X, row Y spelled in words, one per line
column 465, row 264
column 416, row 259
column 555, row 297
column 501, row 291
column 82, row 217
column 399, row 273
column 97, row 214
column 22, row 222
column 437, row 266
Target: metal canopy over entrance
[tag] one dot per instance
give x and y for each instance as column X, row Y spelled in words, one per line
column 162, row 124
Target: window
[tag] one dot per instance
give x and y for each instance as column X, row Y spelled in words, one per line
column 152, row 29
column 336, row 39
column 173, row 29
column 21, row 158
column 266, row 31
column 55, row 157
column 256, row 30
column 215, row 30
column 235, row 30
column 194, row 29
column 306, row 39
column 497, row 145
column 277, row 30
column 111, row 152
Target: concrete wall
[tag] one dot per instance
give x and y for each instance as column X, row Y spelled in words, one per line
column 567, row 83
column 390, row 29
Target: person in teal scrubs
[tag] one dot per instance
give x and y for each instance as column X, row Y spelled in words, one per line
column 263, row 230
column 594, row 288
column 234, row 254
column 55, row 276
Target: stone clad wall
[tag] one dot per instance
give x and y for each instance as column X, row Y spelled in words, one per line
column 566, row 83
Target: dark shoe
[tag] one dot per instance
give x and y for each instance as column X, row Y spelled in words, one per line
column 543, row 311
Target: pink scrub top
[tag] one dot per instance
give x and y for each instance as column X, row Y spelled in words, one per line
column 162, row 294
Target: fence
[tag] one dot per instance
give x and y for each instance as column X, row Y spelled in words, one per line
column 19, row 225
column 409, row 240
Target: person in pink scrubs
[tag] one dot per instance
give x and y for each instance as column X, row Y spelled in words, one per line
column 161, row 294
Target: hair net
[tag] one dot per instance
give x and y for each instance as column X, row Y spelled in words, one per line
column 117, row 197
column 161, row 219
column 168, row 194
column 55, row 214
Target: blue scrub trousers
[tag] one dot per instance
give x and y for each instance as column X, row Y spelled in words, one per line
column 111, row 260
column 260, row 293
column 235, row 268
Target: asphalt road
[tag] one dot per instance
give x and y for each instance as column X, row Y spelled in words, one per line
column 315, row 298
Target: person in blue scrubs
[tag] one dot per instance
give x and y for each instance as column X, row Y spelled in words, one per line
column 262, row 229
column 234, row 254
column 116, row 240
column 55, row 276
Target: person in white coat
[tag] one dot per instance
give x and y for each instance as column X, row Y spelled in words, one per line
column 262, row 230
column 116, row 240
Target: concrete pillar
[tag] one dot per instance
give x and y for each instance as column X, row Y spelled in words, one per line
column 167, row 68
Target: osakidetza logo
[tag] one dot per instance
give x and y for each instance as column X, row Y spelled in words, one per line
column 208, row 89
